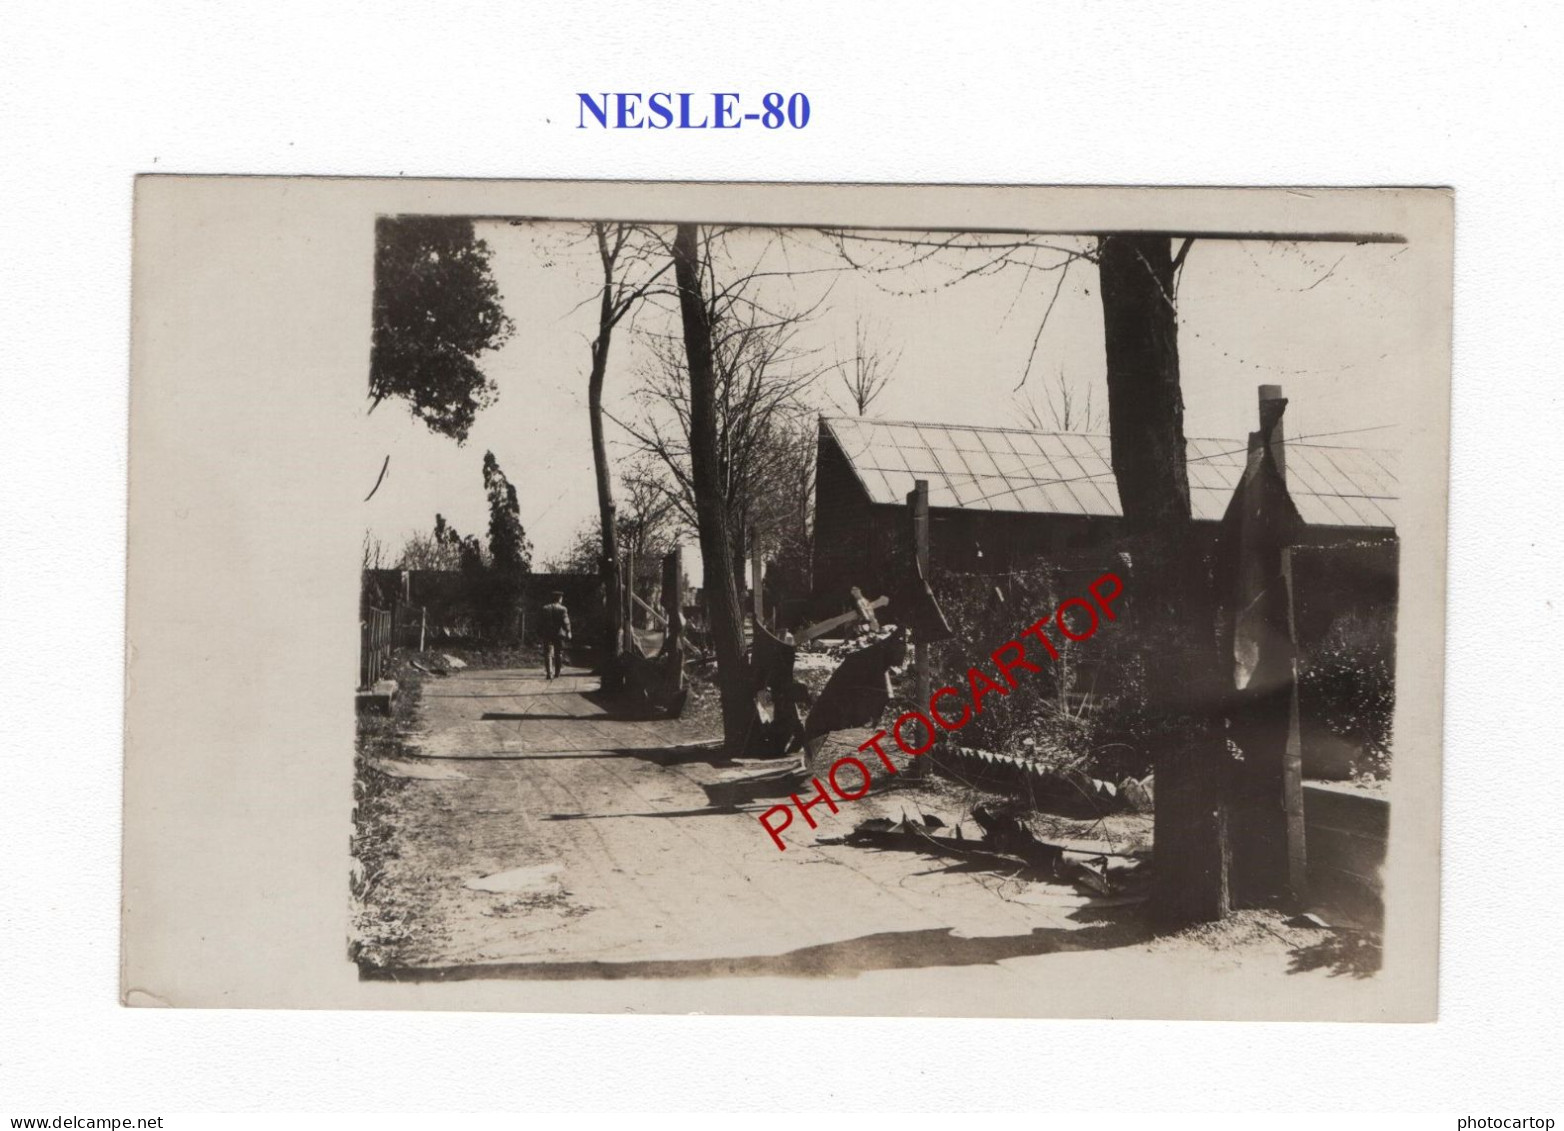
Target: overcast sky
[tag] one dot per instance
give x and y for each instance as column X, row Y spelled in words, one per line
column 1331, row 323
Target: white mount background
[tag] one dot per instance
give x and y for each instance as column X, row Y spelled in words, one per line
column 1187, row 93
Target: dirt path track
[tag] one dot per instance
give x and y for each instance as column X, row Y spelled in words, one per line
column 540, row 838
column 556, row 832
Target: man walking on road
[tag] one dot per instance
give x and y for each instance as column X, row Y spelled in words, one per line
column 556, row 634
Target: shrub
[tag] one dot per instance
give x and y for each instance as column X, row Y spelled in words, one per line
column 1348, row 681
column 1080, row 711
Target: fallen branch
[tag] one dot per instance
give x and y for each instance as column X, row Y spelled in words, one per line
column 1007, row 845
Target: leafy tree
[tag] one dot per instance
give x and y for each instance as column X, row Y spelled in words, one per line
column 436, row 312
column 471, row 558
column 500, row 587
column 510, row 551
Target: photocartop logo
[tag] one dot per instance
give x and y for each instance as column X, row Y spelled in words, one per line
column 1007, row 658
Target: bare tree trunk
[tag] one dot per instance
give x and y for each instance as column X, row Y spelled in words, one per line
column 609, row 559
column 724, row 611
column 1172, row 592
column 613, row 666
column 1145, row 403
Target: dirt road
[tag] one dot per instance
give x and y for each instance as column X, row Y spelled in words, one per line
column 538, row 836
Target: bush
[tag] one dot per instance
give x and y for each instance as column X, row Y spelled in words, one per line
column 1348, row 681
column 1081, row 711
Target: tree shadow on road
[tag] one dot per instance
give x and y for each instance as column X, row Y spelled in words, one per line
column 710, row 811
column 712, row 754
column 609, row 708
column 723, row 798
column 888, row 950
column 1357, row 954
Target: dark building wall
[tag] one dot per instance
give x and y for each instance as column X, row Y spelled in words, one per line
column 870, row 546
column 844, row 528
column 974, row 541
column 860, row 543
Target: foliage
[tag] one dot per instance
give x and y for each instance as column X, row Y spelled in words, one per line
column 494, row 577
column 499, row 586
column 510, row 551
column 585, row 552
column 1348, row 678
column 649, row 526
column 1078, row 711
column 471, row 557
column 436, row 312
column 380, row 922
column 442, row 549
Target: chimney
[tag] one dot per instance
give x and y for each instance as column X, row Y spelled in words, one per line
column 1272, row 406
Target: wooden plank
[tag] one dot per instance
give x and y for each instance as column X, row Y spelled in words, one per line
column 655, row 612
column 822, row 627
column 1363, row 813
column 918, row 514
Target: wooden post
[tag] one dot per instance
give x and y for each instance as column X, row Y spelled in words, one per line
column 629, row 588
column 423, row 625
column 1266, row 801
column 673, row 597
column 918, row 512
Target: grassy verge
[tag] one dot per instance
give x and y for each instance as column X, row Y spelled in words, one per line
column 379, row 926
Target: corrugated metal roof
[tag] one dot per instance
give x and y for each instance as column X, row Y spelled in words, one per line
column 1012, row 469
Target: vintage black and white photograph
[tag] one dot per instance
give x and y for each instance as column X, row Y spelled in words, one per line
column 964, row 613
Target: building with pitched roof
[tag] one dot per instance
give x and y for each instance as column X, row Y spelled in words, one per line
column 1008, row 498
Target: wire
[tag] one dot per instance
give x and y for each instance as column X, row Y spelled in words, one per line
column 974, row 476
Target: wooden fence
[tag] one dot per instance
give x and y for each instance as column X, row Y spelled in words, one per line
column 410, row 625
column 1348, row 831
column 375, row 635
column 450, row 606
